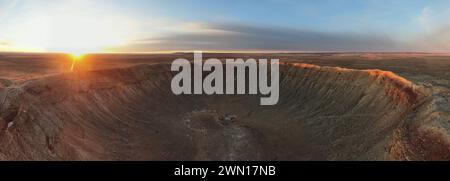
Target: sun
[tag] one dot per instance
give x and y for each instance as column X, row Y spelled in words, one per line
column 74, row 27
column 76, row 57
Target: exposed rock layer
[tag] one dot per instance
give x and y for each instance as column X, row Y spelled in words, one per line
column 324, row 113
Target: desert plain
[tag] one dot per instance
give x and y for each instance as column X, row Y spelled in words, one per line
column 333, row 106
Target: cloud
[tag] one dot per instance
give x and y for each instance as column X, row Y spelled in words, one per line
column 424, row 18
column 4, row 43
column 436, row 36
column 437, row 40
column 246, row 37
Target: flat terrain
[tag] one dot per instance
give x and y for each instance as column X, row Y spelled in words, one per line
column 333, row 106
column 418, row 67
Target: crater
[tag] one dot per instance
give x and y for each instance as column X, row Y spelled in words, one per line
column 324, row 113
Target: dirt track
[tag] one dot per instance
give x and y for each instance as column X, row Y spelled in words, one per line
column 324, row 113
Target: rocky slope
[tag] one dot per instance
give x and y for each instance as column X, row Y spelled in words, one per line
column 324, row 113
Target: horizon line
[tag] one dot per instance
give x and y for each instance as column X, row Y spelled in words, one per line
column 231, row 51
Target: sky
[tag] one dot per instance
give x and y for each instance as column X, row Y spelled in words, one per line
column 87, row 26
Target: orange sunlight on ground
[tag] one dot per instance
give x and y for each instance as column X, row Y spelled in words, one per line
column 76, row 59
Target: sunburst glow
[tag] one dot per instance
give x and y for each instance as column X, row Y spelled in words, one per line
column 76, row 59
column 74, row 27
